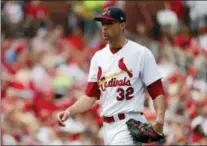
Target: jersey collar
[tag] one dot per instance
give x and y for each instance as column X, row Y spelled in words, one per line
column 113, row 51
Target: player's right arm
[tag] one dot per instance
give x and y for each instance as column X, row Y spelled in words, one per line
column 85, row 102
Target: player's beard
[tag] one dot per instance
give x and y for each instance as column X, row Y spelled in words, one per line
column 110, row 38
column 106, row 37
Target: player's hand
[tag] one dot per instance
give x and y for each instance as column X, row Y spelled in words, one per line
column 62, row 117
column 158, row 127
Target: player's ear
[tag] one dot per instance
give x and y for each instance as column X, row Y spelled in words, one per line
column 122, row 26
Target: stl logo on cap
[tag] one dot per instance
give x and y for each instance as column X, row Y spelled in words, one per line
column 106, row 12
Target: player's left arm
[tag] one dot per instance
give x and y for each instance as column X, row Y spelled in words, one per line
column 151, row 78
column 159, row 104
column 156, row 92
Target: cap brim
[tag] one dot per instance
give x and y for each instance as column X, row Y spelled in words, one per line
column 101, row 18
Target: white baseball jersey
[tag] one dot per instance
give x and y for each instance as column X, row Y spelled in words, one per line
column 122, row 77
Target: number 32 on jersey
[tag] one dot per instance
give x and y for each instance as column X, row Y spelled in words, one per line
column 125, row 94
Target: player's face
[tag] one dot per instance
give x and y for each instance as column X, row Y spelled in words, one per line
column 111, row 29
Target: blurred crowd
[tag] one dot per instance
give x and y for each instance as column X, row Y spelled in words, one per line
column 44, row 67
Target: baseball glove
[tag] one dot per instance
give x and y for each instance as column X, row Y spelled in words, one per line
column 143, row 132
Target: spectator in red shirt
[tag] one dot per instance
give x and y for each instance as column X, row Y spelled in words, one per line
column 177, row 7
column 36, row 10
column 36, row 17
column 77, row 38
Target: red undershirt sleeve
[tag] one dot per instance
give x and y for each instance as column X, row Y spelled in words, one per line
column 155, row 89
column 92, row 90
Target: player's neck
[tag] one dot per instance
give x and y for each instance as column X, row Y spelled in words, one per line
column 117, row 44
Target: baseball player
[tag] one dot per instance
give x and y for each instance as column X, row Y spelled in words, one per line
column 119, row 75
